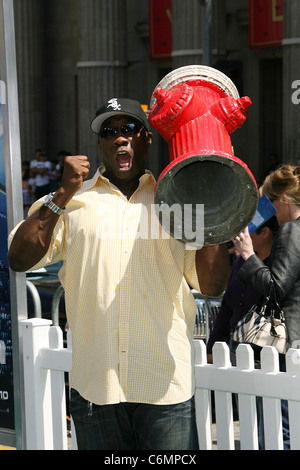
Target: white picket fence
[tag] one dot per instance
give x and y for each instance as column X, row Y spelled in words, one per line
column 248, row 383
column 46, row 360
column 45, row 363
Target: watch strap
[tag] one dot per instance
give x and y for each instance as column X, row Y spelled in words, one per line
column 51, row 205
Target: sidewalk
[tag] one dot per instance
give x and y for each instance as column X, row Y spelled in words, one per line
column 236, row 436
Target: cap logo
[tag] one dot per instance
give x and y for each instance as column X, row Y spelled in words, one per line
column 113, row 103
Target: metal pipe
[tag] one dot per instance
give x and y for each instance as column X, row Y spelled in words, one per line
column 207, row 32
column 36, row 299
column 55, row 305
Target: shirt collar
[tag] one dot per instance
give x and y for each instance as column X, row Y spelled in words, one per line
column 145, row 178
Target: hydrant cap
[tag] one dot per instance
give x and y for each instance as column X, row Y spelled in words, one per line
column 198, row 72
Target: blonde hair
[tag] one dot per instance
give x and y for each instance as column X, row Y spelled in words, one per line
column 285, row 180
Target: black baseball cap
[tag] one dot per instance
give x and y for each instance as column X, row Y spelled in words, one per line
column 121, row 106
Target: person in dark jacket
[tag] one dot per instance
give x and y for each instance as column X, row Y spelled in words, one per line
column 283, row 189
column 239, row 298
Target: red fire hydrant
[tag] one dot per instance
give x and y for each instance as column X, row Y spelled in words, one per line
column 196, row 113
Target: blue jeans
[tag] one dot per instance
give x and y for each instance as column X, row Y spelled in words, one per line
column 134, row 426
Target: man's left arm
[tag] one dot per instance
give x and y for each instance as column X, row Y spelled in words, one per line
column 212, row 265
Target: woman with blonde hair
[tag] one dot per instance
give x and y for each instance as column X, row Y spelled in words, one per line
column 283, row 189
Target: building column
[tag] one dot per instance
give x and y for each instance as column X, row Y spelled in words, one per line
column 30, row 51
column 198, row 32
column 102, row 65
column 291, row 74
column 61, row 34
column 187, row 33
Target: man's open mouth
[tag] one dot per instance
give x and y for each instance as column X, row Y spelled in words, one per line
column 124, row 160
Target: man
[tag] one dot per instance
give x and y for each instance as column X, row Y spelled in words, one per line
column 128, row 302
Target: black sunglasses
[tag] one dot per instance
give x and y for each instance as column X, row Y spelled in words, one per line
column 128, row 130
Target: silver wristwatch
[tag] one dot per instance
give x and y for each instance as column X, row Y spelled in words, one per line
column 51, row 205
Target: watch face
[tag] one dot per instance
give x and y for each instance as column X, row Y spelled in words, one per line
column 49, row 198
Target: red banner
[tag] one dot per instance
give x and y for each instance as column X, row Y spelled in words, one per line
column 160, row 29
column 265, row 23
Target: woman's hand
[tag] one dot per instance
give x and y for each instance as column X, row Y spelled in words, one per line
column 243, row 244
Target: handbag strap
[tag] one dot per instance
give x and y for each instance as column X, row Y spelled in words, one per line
column 266, row 298
column 276, row 310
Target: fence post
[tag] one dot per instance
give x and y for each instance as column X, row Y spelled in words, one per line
column 73, row 430
column 202, row 402
column 271, row 406
column 293, row 368
column 59, row 417
column 38, row 404
column 247, row 403
column 223, row 401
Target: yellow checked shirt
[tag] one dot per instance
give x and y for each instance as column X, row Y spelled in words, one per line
column 128, row 303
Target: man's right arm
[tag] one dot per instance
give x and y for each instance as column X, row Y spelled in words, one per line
column 32, row 239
